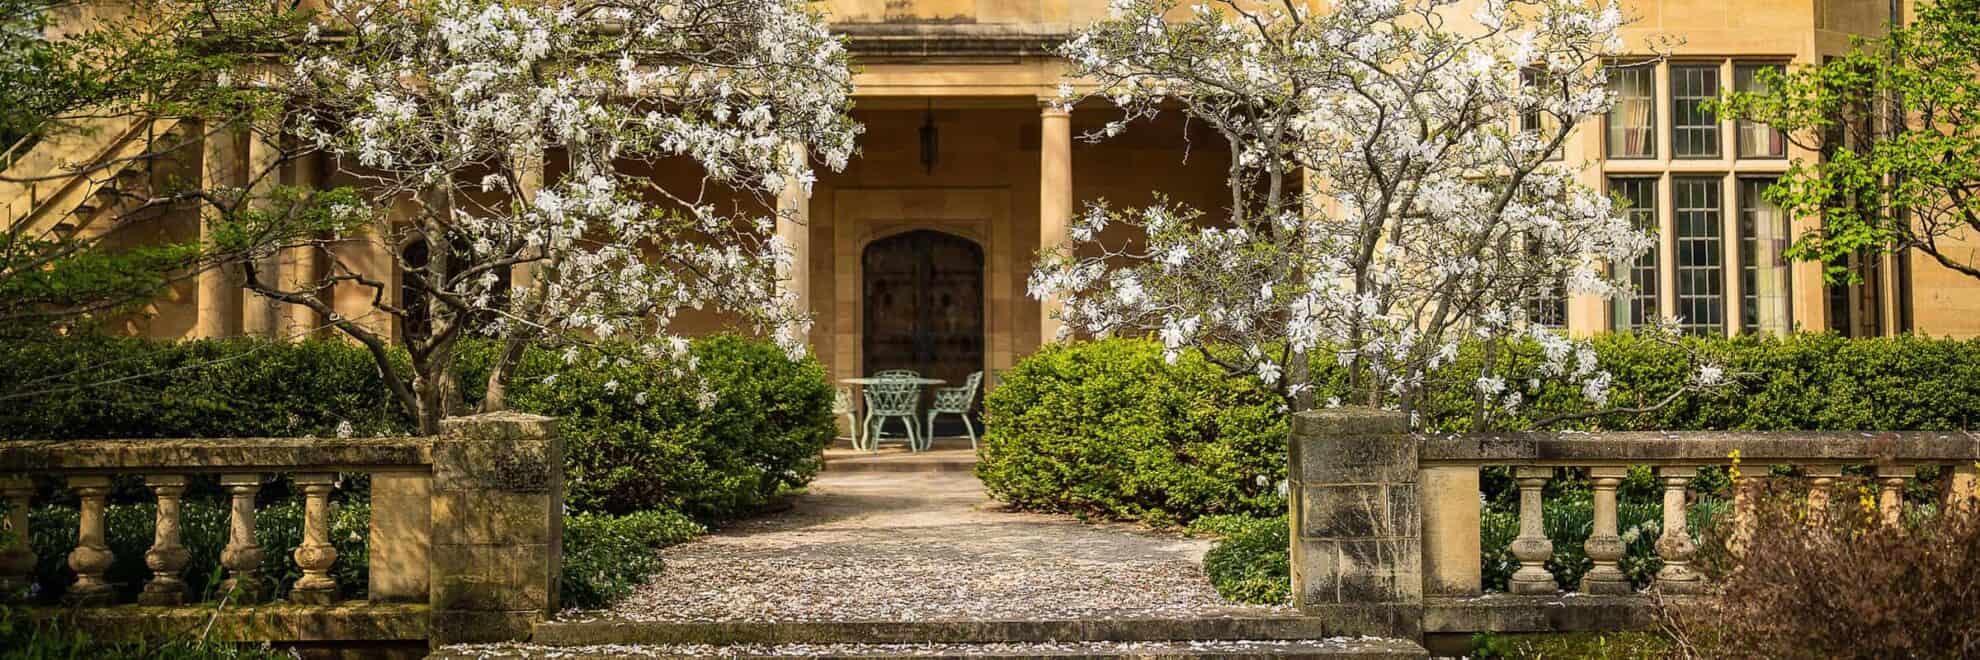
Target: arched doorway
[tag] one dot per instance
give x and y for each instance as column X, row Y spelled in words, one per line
column 923, row 304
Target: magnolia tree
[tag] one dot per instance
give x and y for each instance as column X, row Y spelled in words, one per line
column 443, row 109
column 1386, row 203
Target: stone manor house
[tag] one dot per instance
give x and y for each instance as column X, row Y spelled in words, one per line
column 916, row 256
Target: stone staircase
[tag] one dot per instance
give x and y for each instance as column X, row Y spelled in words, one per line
column 1287, row 637
column 83, row 180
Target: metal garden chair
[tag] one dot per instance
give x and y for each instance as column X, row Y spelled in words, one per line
column 954, row 401
column 892, row 400
column 896, row 373
column 842, row 404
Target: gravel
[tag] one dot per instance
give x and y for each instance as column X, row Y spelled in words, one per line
column 1047, row 649
column 924, row 547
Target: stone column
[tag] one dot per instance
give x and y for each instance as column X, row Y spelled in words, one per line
column 1964, row 490
column 315, row 555
column 260, row 315
column 1357, row 558
column 1451, row 531
column 794, row 231
column 1605, row 545
column 1890, row 497
column 1532, row 547
column 167, row 556
column 1675, row 546
column 1821, row 478
column 91, row 558
column 302, row 265
column 1746, row 513
column 219, row 306
column 1055, row 200
column 243, row 555
column 497, row 493
column 16, row 553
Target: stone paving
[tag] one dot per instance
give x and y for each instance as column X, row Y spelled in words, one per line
column 924, row 546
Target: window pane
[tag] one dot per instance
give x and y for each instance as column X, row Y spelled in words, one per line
column 1639, row 197
column 1694, row 130
column 1633, row 119
column 1757, row 140
column 1763, row 237
column 1700, row 257
column 1548, row 305
column 1544, row 126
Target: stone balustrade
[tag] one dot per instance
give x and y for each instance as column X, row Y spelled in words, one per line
column 1387, row 523
column 463, row 545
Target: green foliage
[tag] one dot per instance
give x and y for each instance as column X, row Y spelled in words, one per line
column 637, row 437
column 1898, row 121
column 605, row 556
column 203, row 531
column 1560, row 646
column 1107, row 428
column 93, row 386
column 1251, row 563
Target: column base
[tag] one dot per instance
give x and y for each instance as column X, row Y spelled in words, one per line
column 1606, row 585
column 243, row 591
column 1528, row 584
column 87, row 596
column 159, row 592
column 313, row 596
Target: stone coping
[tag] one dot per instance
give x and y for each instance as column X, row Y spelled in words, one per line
column 356, row 621
column 1584, row 449
column 1563, row 612
column 1233, row 627
column 180, row 455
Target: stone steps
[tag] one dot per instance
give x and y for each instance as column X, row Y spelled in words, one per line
column 1214, row 636
column 1322, row 649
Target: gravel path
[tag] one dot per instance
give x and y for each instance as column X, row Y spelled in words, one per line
column 923, row 547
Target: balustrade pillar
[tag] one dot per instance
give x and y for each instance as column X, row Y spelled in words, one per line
column 1605, row 545
column 1746, row 514
column 1963, row 492
column 91, row 558
column 243, row 556
column 1821, row 479
column 16, row 554
column 1890, row 495
column 1532, row 547
column 315, row 555
column 167, row 556
column 1675, row 546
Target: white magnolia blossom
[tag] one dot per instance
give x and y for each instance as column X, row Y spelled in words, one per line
column 1427, row 215
column 447, row 109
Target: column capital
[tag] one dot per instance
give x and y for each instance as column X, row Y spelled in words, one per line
column 1051, row 106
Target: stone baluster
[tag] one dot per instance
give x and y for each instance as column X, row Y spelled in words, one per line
column 1746, row 514
column 1963, row 491
column 1821, row 479
column 1675, row 546
column 167, row 556
column 315, row 556
column 1605, row 545
column 1532, row 547
column 242, row 556
column 1890, row 495
column 91, row 558
column 16, row 554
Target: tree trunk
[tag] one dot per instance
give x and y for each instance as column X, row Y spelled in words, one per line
column 498, row 377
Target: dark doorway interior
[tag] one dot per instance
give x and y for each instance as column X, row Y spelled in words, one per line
column 923, row 300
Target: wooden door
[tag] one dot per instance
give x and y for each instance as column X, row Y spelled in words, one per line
column 924, row 305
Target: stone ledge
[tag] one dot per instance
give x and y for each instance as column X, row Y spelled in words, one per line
column 1543, row 614
column 217, row 455
column 613, row 631
column 278, row 622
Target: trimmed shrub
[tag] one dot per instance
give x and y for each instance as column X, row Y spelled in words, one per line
column 118, row 387
column 1109, row 429
column 638, row 438
column 1250, row 564
column 605, row 556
